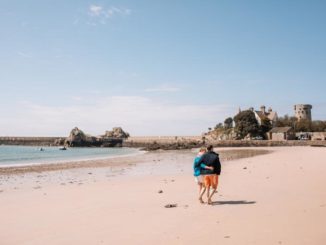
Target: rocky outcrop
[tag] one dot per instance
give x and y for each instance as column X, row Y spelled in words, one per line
column 116, row 132
column 76, row 138
column 114, row 138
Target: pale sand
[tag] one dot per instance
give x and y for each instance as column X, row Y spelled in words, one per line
column 278, row 198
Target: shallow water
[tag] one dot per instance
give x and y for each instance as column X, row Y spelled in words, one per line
column 26, row 155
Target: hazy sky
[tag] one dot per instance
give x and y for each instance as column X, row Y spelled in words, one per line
column 156, row 67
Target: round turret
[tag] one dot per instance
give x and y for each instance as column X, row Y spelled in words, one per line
column 303, row 111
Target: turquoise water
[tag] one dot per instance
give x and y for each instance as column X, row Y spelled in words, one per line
column 25, row 155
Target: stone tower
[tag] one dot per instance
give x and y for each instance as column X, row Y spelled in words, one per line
column 303, row 111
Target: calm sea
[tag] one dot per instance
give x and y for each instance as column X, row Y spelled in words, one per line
column 25, row 155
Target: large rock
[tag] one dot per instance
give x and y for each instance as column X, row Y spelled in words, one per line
column 111, row 139
column 78, row 138
column 116, row 132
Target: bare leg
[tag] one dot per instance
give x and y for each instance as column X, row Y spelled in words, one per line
column 203, row 189
column 214, row 189
column 208, row 195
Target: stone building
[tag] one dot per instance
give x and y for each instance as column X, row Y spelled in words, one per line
column 303, row 111
column 270, row 114
column 318, row 136
column 281, row 133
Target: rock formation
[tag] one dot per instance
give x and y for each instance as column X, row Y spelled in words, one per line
column 76, row 138
column 111, row 138
column 117, row 132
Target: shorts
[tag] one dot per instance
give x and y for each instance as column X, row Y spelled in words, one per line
column 199, row 179
column 211, row 180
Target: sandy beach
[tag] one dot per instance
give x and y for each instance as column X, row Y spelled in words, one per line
column 275, row 198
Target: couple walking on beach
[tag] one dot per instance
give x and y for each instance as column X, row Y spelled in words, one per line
column 207, row 168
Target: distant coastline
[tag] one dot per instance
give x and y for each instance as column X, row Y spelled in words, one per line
column 167, row 142
column 188, row 142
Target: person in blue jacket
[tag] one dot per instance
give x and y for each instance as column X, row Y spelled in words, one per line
column 197, row 173
column 210, row 175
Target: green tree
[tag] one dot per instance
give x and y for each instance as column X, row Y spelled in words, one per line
column 219, row 125
column 303, row 126
column 246, row 123
column 228, row 122
column 318, row 126
column 265, row 127
column 286, row 121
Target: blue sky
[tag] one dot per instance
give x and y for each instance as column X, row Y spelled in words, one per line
column 156, row 67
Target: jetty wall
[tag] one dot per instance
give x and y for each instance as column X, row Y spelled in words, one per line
column 29, row 141
column 184, row 142
column 168, row 142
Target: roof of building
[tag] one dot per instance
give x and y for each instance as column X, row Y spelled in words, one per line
column 272, row 115
column 260, row 114
column 280, row 130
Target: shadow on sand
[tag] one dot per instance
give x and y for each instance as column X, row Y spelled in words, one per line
column 232, row 202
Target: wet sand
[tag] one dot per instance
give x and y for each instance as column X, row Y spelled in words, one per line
column 275, row 198
column 225, row 155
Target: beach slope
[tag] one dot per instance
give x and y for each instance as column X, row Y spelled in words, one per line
column 278, row 198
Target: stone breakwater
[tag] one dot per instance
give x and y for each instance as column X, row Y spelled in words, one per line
column 164, row 142
column 167, row 142
column 30, row 141
column 188, row 142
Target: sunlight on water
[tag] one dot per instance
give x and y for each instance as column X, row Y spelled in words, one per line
column 21, row 155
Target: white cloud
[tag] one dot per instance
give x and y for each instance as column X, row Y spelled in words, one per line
column 77, row 98
column 163, row 89
column 24, row 55
column 100, row 15
column 112, row 11
column 95, row 10
column 23, row 24
column 138, row 115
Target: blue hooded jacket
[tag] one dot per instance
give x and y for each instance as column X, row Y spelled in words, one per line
column 198, row 167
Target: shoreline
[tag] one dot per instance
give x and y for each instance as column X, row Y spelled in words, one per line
column 230, row 154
